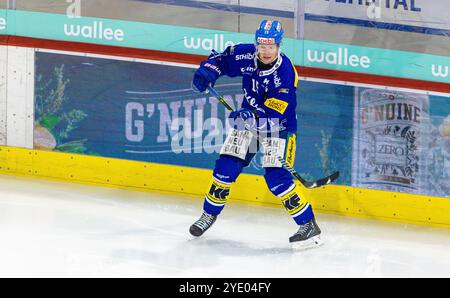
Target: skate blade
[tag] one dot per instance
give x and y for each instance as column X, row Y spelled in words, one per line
column 309, row 243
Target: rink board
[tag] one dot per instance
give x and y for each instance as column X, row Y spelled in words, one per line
column 134, row 120
column 197, row 41
column 106, row 162
column 191, row 182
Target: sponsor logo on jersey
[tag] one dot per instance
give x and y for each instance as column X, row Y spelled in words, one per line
column 251, row 101
column 276, row 80
column 247, row 70
column 247, row 56
column 276, row 104
column 283, row 90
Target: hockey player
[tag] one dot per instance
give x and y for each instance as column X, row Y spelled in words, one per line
column 269, row 83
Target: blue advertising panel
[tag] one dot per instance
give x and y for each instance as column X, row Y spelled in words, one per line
column 118, row 109
column 148, row 112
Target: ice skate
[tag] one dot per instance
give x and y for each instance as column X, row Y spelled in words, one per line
column 203, row 224
column 308, row 235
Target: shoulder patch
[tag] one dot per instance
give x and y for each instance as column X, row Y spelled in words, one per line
column 276, row 104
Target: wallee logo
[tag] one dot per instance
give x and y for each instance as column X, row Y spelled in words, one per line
column 216, row 43
column 440, row 71
column 94, row 30
column 340, row 57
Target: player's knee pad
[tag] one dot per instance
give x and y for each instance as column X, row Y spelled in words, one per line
column 228, row 168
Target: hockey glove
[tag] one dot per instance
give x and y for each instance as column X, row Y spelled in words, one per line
column 206, row 75
column 242, row 119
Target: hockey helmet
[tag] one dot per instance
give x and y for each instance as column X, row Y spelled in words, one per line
column 269, row 32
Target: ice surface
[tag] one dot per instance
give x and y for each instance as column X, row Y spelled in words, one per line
column 50, row 229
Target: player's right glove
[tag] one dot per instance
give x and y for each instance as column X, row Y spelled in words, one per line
column 242, row 119
column 242, row 113
column 206, row 75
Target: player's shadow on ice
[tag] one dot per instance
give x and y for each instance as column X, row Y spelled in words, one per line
column 237, row 248
column 205, row 243
column 194, row 253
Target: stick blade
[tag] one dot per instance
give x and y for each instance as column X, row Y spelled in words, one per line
column 323, row 181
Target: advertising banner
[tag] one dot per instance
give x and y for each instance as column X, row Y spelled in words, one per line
column 405, row 15
column 380, row 139
column 376, row 61
column 148, row 112
column 201, row 41
column 119, row 33
column 401, row 142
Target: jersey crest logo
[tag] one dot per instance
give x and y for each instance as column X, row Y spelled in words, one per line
column 276, row 104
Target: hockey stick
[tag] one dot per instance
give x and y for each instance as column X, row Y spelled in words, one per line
column 307, row 184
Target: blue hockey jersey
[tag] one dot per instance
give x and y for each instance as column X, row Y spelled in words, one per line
column 271, row 93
